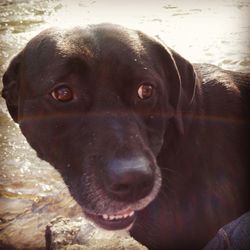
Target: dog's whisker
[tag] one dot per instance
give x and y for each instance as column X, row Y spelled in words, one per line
column 169, row 170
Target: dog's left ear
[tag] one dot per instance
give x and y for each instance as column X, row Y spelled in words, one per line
column 182, row 84
column 11, row 86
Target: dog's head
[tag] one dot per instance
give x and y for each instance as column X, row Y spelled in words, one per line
column 96, row 104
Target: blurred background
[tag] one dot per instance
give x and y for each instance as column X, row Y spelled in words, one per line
column 31, row 191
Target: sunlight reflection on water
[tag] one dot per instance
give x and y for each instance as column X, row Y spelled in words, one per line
column 202, row 31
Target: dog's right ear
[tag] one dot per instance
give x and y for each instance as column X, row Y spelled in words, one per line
column 11, row 84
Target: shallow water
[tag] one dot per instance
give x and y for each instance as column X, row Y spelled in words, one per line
column 31, row 191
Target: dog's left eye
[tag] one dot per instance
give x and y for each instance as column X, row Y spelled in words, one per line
column 145, row 91
column 62, row 93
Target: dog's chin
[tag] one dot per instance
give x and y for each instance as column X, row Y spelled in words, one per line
column 123, row 218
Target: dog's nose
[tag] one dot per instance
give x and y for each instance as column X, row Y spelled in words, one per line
column 129, row 179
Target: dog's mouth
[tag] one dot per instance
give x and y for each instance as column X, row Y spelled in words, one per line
column 119, row 221
column 112, row 215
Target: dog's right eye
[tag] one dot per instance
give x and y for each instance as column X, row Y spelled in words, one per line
column 62, row 94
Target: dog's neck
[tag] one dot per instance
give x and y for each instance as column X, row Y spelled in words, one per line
column 195, row 195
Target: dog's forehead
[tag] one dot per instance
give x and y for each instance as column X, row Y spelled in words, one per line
column 105, row 49
column 100, row 40
column 105, row 55
column 92, row 43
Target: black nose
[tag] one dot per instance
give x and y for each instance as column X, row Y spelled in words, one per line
column 129, row 179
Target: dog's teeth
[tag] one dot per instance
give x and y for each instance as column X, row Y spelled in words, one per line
column 131, row 213
column 105, row 216
column 111, row 217
column 117, row 217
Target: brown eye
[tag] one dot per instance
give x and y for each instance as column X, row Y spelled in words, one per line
column 145, row 91
column 62, row 93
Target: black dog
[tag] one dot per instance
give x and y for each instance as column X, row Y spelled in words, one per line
column 144, row 140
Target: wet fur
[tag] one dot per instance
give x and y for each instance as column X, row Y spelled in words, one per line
column 194, row 132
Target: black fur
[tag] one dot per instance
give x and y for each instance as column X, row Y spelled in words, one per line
column 113, row 149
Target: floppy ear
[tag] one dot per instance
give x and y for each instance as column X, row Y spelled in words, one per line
column 11, row 86
column 183, row 85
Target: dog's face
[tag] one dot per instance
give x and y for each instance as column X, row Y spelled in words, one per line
column 96, row 104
